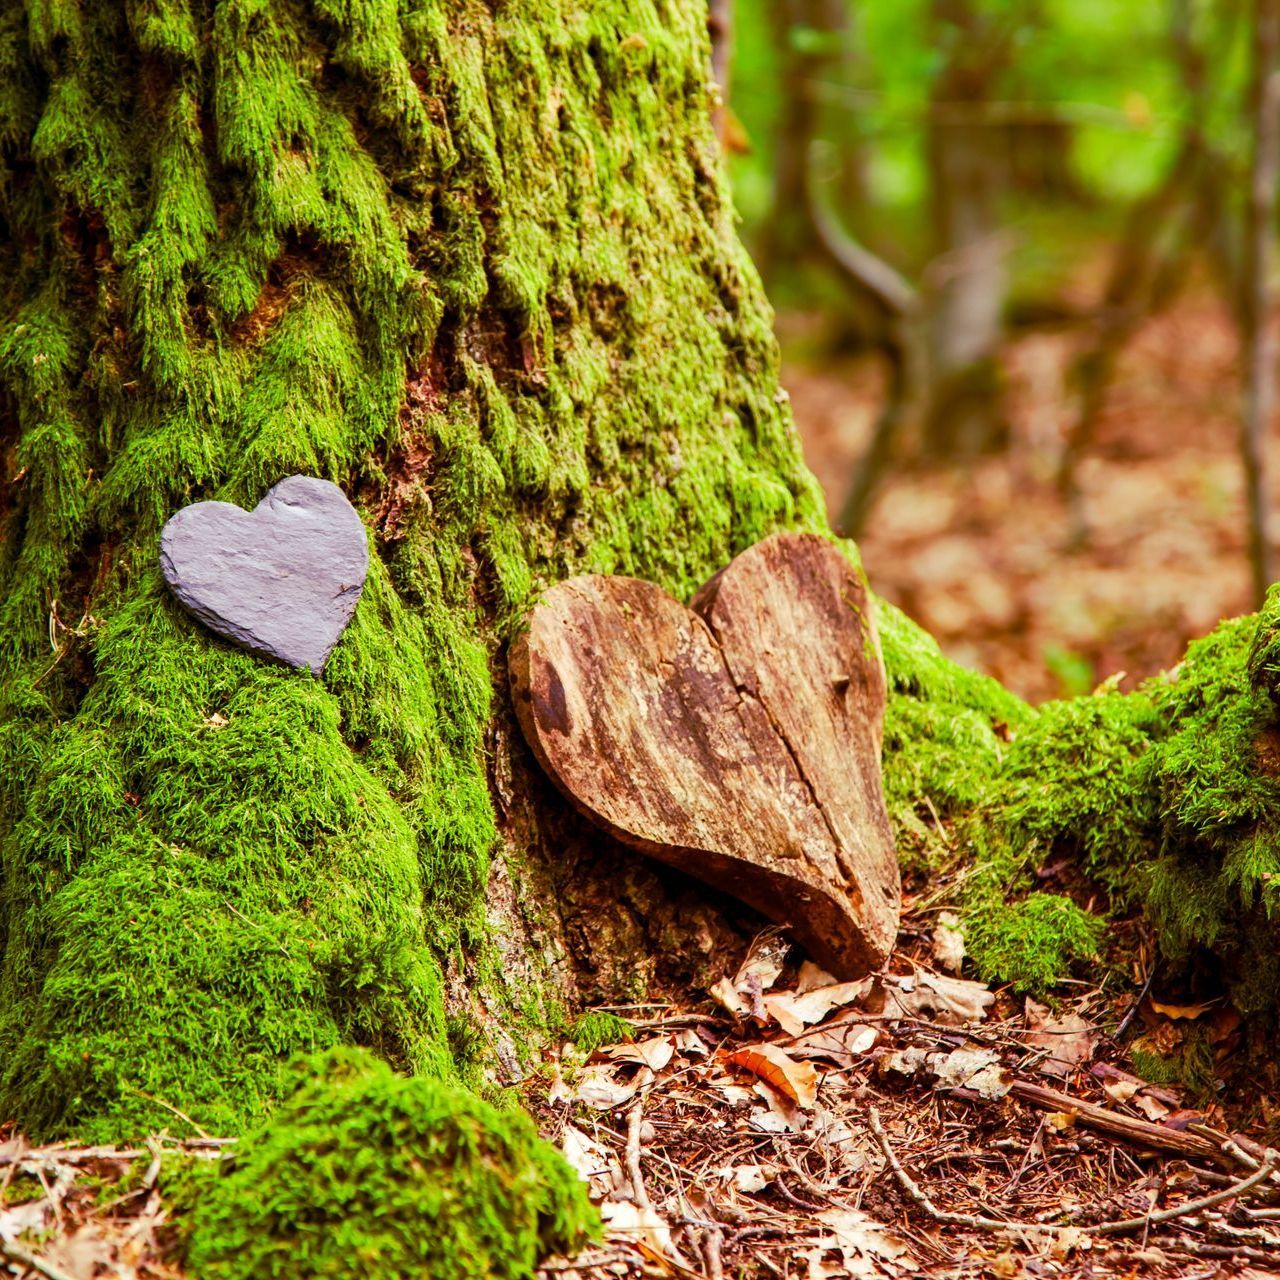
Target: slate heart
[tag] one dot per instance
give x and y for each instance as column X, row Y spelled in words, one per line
column 738, row 740
column 281, row 580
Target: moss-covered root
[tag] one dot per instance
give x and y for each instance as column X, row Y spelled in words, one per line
column 364, row 1172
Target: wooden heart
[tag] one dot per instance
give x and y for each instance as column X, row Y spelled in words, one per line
column 738, row 740
column 281, row 580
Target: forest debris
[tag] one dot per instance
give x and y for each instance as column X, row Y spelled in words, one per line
column 1068, row 1040
column 596, row 1165
column 654, row 1054
column 793, row 1011
column 1154, row 1137
column 955, row 1001
column 866, row 1247
column 749, row 1178
column 841, row 1043
column 948, row 942
column 742, row 994
column 1189, row 1012
column 795, row 1080
column 600, row 1087
column 977, row 1069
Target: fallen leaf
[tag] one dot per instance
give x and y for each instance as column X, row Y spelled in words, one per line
column 1061, row 1121
column 812, row 978
column 638, row 1225
column 1121, row 1090
column 654, row 1054
column 976, row 1069
column 1187, row 1011
column 1152, row 1108
column 749, row 1178
column 934, row 996
column 948, row 942
column 867, row 1247
column 691, row 1044
column 905, row 1062
column 795, row 1080
column 595, row 1165
column 1068, row 1241
column 600, row 1087
column 742, row 995
column 1069, row 1041
column 840, row 1042
column 793, row 1012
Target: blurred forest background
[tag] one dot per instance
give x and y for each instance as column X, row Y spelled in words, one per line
column 1021, row 254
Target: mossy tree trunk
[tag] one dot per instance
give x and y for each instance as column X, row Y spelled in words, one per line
column 474, row 262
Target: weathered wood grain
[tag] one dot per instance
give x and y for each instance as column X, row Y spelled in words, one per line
column 738, row 740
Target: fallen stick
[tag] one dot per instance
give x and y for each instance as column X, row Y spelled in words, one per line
column 1182, row 1210
column 17, row 1254
column 910, row 1186
column 1154, row 1137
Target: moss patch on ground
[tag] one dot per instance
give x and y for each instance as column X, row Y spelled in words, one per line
column 363, row 1172
column 1166, row 798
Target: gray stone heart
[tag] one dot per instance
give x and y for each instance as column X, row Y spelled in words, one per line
column 281, row 580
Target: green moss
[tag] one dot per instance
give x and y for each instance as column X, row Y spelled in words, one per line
column 365, row 1172
column 596, row 1028
column 477, row 265
column 1032, row 943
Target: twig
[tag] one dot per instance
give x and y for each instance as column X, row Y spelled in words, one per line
column 1153, row 1136
column 712, row 1243
column 16, row 1253
column 635, row 1173
column 1192, row 1206
column 182, row 1115
column 909, row 1185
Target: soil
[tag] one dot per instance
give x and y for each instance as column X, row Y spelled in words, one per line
column 982, row 554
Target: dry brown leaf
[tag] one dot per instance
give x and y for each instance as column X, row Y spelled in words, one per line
column 654, row 1054
column 1121, row 1090
column 840, row 1042
column 1068, row 1040
column 748, row 1178
column 948, row 942
column 600, row 1087
column 812, row 978
column 795, row 1080
column 954, row 1001
column 637, row 1225
column 1152, row 1108
column 1183, row 1011
column 793, row 1011
column 691, row 1044
column 866, row 1247
column 741, row 994
column 976, row 1069
column 596, row 1165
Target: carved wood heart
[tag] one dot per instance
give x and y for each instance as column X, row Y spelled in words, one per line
column 738, row 740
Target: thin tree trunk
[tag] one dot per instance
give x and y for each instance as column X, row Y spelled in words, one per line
column 966, row 281
column 1256, row 298
column 720, row 29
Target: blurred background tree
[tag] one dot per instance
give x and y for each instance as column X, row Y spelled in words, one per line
column 1001, row 235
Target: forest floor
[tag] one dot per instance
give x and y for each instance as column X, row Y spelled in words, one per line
column 981, row 555
column 915, row 1124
